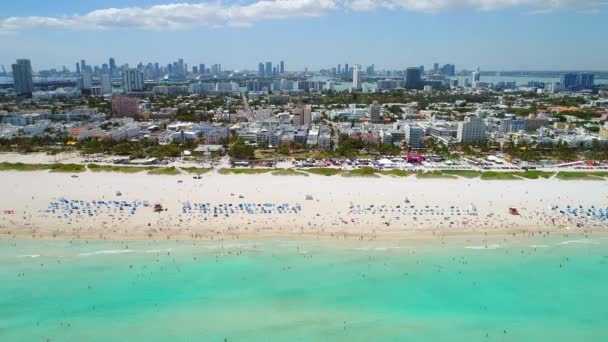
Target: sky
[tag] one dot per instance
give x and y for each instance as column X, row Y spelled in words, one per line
column 392, row 34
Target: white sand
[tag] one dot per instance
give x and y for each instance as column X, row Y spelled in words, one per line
column 29, row 194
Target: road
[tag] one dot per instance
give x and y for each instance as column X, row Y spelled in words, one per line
column 248, row 111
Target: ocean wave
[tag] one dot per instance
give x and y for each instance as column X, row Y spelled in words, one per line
column 112, row 251
column 159, row 250
column 29, row 256
column 583, row 241
column 483, row 247
column 538, row 246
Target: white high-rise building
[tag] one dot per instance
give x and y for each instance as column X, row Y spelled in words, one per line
column 472, row 130
column 413, row 135
column 106, row 84
column 357, row 77
column 133, row 80
column 86, row 82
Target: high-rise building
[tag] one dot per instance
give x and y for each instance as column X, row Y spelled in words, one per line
column 86, row 82
column 448, row 70
column 346, row 69
column 112, row 66
column 304, row 113
column 435, row 68
column 471, row 130
column 476, row 75
column 78, row 68
column 370, row 70
column 374, row 112
column 413, row 79
column 268, row 69
column 105, row 83
column 22, row 77
column 133, row 80
column 357, row 77
column 195, row 70
column 124, row 106
column 574, row 81
column 201, row 69
column 339, row 69
column 180, row 67
column 261, row 69
column 422, row 69
column 282, row 67
column 413, row 135
column 83, row 65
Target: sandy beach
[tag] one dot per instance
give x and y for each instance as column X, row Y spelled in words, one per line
column 56, row 205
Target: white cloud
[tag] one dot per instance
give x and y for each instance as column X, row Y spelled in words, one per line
column 177, row 16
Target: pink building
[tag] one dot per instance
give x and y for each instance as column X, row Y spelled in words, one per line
column 124, row 106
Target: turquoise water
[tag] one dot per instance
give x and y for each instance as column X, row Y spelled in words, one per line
column 303, row 291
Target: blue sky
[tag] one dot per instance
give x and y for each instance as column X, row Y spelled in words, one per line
column 494, row 34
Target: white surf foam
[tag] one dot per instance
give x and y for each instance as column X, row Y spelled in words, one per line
column 29, row 256
column 583, row 241
column 159, row 250
column 112, row 251
column 483, row 247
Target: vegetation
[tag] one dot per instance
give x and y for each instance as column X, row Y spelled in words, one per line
column 536, row 174
column 492, row 175
column 462, row 173
column 57, row 167
column 324, row 171
column 361, row 172
column 197, row 170
column 581, row 175
column 166, row 171
column 244, row 171
column 119, row 168
column 397, row 173
column 240, row 150
column 434, row 174
column 289, row 172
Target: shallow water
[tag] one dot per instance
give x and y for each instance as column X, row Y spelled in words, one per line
column 304, row 291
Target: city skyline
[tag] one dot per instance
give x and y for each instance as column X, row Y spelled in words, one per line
column 313, row 34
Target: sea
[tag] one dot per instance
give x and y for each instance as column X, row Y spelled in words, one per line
column 540, row 289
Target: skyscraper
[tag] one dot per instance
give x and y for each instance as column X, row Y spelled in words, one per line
column 106, row 85
column 77, row 68
column 476, row 76
column 413, row 78
column 573, row 81
column 180, row 67
column 282, row 67
column 261, row 69
column 22, row 76
column 374, row 112
column 436, row 68
column 346, row 69
column 133, row 80
column 268, row 69
column 86, row 82
column 201, row 69
column 112, row 66
column 357, row 77
column 83, row 65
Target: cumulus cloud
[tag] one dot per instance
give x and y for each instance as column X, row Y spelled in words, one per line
column 178, row 16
